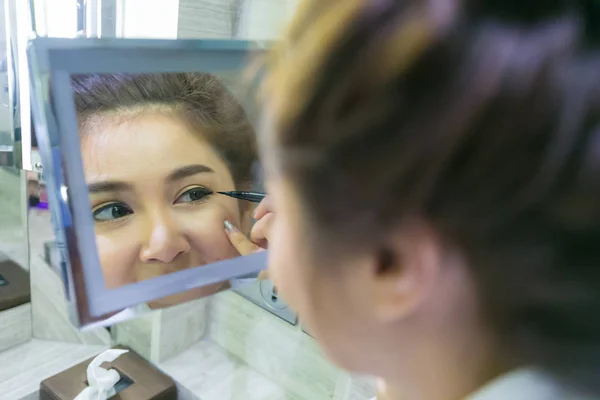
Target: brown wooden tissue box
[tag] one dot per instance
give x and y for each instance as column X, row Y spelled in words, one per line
column 140, row 380
column 14, row 285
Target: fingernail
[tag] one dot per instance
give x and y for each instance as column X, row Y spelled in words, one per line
column 229, row 227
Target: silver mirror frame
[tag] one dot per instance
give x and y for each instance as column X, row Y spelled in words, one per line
column 52, row 61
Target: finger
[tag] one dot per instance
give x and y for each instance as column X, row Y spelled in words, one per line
column 263, row 208
column 263, row 275
column 260, row 232
column 241, row 243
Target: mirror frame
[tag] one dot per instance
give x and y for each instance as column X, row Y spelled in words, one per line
column 52, row 61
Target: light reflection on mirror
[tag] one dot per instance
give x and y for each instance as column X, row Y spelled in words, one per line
column 156, row 149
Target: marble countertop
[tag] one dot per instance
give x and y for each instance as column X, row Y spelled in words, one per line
column 26, row 365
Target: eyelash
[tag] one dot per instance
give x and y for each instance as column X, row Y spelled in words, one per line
column 106, row 206
column 206, row 193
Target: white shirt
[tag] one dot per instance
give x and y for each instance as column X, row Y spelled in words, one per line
column 524, row 384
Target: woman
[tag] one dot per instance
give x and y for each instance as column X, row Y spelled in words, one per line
column 155, row 149
column 433, row 170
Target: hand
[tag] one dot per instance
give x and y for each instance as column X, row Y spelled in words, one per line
column 259, row 235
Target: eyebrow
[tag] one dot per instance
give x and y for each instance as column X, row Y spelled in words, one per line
column 188, row 170
column 108, row 186
column 176, row 175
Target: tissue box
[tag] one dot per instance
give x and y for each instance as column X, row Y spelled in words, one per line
column 14, row 285
column 140, row 380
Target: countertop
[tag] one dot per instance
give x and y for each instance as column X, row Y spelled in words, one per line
column 26, row 365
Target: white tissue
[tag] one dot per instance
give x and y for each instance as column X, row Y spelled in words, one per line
column 101, row 381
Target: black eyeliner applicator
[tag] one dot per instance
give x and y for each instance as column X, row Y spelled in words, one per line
column 253, row 197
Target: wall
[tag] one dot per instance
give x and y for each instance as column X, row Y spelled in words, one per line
column 208, row 18
column 263, row 19
column 5, row 108
column 15, row 323
column 281, row 352
column 233, row 19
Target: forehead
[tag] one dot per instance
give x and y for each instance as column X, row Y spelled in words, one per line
column 153, row 142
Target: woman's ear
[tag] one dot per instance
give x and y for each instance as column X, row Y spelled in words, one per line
column 406, row 268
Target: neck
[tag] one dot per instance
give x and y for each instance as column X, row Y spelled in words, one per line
column 453, row 351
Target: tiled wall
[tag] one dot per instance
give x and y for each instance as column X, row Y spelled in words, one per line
column 15, row 323
column 13, row 233
column 208, row 18
column 280, row 351
column 228, row 19
column 165, row 333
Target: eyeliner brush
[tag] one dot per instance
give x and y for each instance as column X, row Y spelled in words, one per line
column 252, row 197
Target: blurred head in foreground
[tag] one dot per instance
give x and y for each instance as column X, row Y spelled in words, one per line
column 435, row 172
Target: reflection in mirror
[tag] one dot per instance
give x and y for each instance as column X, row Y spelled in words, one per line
column 157, row 150
column 15, row 293
column 7, row 86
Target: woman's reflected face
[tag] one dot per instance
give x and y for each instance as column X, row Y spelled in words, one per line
column 152, row 182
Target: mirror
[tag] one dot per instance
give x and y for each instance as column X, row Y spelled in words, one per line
column 135, row 152
column 15, row 293
column 15, row 135
column 8, row 119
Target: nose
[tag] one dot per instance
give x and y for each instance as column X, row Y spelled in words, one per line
column 165, row 243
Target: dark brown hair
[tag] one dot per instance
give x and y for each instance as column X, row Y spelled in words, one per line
column 201, row 99
column 480, row 117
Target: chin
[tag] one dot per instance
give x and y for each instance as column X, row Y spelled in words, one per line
column 184, row 297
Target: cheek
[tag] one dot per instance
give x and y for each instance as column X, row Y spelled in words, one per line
column 118, row 254
column 205, row 230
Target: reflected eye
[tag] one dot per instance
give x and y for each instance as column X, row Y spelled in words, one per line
column 110, row 212
column 194, row 195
